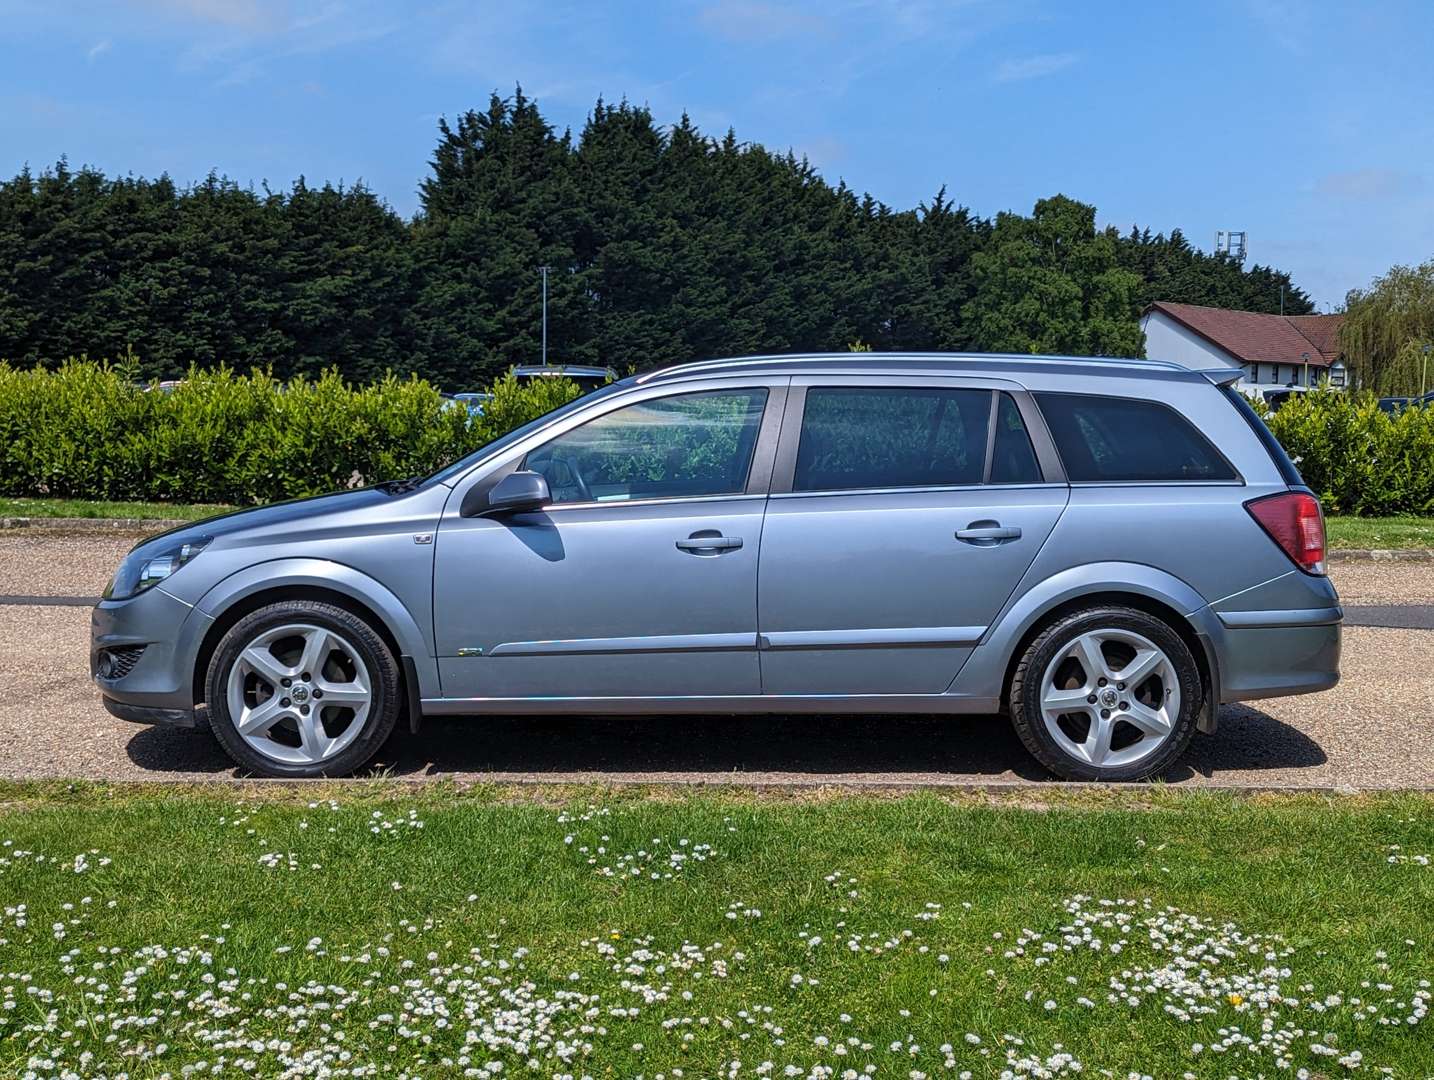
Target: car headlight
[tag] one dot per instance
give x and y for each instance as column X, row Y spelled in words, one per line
column 136, row 575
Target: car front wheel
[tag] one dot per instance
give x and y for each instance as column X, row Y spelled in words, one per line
column 1106, row 693
column 302, row 689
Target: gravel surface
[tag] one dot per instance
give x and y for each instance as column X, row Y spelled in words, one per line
column 37, row 564
column 1365, row 733
column 1369, row 732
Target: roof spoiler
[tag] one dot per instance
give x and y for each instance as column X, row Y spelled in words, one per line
column 1223, row 376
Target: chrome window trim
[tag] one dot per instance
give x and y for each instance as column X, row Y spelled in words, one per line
column 1236, row 483
column 929, row 490
column 609, row 504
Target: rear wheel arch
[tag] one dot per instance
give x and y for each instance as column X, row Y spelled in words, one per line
column 1071, row 709
column 1197, row 644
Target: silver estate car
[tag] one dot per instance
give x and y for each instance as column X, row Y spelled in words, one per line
column 1105, row 550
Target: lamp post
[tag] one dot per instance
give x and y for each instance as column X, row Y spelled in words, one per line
column 544, row 271
column 1306, row 358
column 1424, row 371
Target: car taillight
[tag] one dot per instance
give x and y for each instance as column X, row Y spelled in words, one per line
column 1294, row 521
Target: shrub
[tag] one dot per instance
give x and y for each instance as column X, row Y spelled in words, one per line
column 90, row 431
column 87, row 430
column 1356, row 458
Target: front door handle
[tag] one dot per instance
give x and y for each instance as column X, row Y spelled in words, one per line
column 709, row 543
column 987, row 533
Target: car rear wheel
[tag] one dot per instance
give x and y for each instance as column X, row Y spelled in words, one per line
column 1106, row 693
column 301, row 689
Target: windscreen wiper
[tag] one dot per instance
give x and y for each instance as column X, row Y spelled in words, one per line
column 399, row 487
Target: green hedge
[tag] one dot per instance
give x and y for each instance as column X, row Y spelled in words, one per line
column 1358, row 459
column 87, row 431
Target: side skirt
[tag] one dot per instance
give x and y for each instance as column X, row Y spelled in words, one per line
column 774, row 704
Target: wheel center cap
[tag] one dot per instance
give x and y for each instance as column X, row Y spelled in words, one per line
column 299, row 693
column 1109, row 698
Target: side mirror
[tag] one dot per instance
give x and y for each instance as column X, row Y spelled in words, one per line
column 519, row 491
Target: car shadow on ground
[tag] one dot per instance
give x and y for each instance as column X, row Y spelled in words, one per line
column 730, row 748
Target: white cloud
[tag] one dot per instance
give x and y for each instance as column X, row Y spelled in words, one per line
column 1366, row 184
column 254, row 15
column 97, row 50
column 1035, row 67
column 750, row 21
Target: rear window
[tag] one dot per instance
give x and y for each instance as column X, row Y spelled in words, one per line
column 1288, row 472
column 1116, row 439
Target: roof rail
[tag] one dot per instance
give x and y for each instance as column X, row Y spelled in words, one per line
column 696, row 367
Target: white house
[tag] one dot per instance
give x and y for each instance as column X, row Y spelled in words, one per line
column 1272, row 350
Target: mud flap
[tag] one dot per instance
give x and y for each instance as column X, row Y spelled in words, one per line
column 410, row 686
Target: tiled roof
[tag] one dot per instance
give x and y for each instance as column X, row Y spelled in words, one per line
column 1252, row 336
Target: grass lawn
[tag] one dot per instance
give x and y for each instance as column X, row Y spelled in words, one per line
column 446, row 933
column 1390, row 532
column 87, row 508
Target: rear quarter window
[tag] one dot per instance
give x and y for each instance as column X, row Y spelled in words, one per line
column 1128, row 440
column 1288, row 472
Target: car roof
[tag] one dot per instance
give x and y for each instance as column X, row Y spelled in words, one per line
column 920, row 363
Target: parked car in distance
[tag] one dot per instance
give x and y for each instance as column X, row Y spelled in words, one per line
column 473, row 401
column 587, row 377
column 1277, row 398
column 1273, row 397
column 1394, row 404
column 1104, row 550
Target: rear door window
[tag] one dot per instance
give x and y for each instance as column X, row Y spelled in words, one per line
column 891, row 437
column 1128, row 440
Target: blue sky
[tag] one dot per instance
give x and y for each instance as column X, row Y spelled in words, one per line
column 1310, row 124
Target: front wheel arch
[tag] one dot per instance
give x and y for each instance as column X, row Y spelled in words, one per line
column 263, row 598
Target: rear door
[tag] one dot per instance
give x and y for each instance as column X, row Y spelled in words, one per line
column 902, row 515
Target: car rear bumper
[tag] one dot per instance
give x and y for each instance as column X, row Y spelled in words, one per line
column 1279, row 658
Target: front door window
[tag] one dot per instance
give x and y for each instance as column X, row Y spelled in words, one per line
column 685, row 446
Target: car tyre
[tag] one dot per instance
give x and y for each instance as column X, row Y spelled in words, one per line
column 1080, row 719
column 300, row 689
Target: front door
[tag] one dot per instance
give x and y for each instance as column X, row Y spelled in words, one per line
column 901, row 519
column 638, row 580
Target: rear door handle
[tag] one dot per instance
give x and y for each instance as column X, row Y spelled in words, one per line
column 709, row 543
column 987, row 532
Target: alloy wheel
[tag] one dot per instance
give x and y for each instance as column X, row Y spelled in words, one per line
column 1110, row 698
column 299, row 694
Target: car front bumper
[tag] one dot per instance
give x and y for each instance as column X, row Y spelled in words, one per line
column 153, row 714
column 160, row 636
